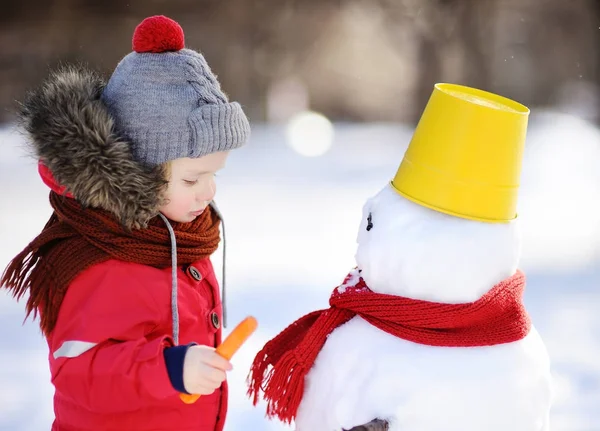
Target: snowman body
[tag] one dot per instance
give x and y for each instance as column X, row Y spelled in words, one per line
column 363, row 373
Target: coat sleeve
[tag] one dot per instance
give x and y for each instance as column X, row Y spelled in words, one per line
column 106, row 354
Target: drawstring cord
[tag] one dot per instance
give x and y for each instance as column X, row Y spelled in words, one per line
column 223, row 265
column 174, row 305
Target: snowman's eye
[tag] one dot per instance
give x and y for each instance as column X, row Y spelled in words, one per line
column 369, row 222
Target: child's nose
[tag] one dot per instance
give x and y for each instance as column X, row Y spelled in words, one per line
column 208, row 193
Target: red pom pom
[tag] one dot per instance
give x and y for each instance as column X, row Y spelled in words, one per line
column 158, row 34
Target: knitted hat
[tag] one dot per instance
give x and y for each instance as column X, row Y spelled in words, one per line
column 166, row 101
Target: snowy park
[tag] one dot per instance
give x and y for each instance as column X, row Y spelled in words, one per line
column 379, row 152
column 292, row 203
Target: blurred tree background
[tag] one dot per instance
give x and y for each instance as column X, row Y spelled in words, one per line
column 355, row 60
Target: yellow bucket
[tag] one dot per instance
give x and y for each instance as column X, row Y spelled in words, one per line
column 466, row 154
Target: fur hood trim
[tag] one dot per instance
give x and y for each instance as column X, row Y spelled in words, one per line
column 72, row 133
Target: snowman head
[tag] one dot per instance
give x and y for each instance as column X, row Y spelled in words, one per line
column 445, row 228
column 409, row 250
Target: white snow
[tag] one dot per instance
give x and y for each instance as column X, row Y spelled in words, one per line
column 291, row 229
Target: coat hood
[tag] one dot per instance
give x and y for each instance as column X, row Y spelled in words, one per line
column 71, row 132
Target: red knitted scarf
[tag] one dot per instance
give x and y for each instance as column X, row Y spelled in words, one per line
column 498, row 317
column 76, row 238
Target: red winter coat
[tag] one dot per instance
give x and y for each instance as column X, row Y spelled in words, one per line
column 106, row 351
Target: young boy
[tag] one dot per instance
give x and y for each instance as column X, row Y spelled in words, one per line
column 120, row 276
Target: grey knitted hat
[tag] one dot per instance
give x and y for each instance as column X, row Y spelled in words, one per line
column 166, row 101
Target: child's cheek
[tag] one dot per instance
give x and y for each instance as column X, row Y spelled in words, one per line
column 185, row 202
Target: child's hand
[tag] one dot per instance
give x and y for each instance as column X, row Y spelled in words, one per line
column 204, row 370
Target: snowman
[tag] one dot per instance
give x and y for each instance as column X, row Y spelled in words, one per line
column 429, row 332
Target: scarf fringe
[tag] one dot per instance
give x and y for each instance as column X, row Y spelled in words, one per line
column 22, row 279
column 282, row 385
column 259, row 377
column 15, row 275
column 268, row 360
column 285, row 388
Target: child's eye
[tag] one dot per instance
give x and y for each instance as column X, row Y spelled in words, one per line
column 369, row 222
column 190, row 183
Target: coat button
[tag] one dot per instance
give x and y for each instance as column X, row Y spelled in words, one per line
column 214, row 318
column 195, row 273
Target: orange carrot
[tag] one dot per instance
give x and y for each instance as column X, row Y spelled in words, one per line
column 228, row 347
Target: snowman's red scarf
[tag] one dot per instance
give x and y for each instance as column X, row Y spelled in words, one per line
column 498, row 317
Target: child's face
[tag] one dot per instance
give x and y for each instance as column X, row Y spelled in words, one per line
column 191, row 186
